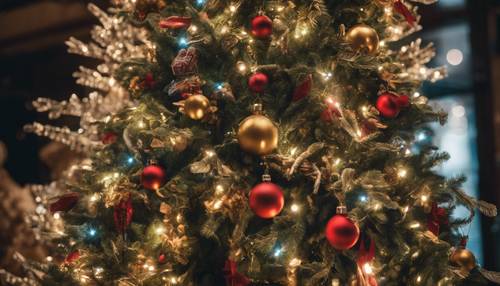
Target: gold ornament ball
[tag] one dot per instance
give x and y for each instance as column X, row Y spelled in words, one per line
column 257, row 134
column 463, row 258
column 196, row 106
column 363, row 38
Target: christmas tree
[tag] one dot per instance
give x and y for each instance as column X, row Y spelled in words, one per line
column 265, row 143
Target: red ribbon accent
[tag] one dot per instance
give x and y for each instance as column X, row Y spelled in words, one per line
column 175, row 22
column 64, row 203
column 437, row 217
column 122, row 214
column 233, row 277
column 303, row 89
column 401, row 8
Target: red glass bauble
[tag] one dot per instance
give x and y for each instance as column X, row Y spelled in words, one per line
column 388, row 105
column 258, row 82
column 109, row 138
column 266, row 200
column 342, row 232
column 153, row 177
column 262, row 27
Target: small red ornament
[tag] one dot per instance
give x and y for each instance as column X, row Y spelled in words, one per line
column 262, row 27
column 303, row 89
column 401, row 8
column 64, row 203
column 122, row 214
column 266, row 200
column 109, row 138
column 72, row 257
column 162, row 258
column 389, row 104
column 342, row 232
column 153, row 177
column 437, row 218
column 149, row 81
column 258, row 82
column 233, row 277
column 332, row 111
column 175, row 22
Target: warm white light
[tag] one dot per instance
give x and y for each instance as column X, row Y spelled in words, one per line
column 210, row 153
column 140, row 124
column 367, row 268
column 232, row 8
column 49, row 258
column 242, row 67
column 424, row 198
column 295, row 208
column 402, row 173
column 218, row 204
column 415, row 225
column 94, row 197
column 454, row 57
column 419, row 278
column 219, row 189
column 295, row 262
column 57, row 215
column 293, row 151
column 160, row 230
column 416, row 94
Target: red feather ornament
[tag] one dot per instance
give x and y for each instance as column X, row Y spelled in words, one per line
column 65, row 203
column 122, row 214
column 303, row 89
column 402, row 9
column 175, row 22
column 233, row 277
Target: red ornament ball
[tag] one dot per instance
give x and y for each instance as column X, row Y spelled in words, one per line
column 153, row 177
column 109, row 138
column 258, row 82
column 266, row 200
column 389, row 105
column 262, row 27
column 342, row 232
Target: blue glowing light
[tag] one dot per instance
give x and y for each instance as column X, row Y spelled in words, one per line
column 219, row 86
column 130, row 160
column 421, row 136
column 200, row 2
column 92, row 232
column 278, row 251
column 183, row 42
column 363, row 198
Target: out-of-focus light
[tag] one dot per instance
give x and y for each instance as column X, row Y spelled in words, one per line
column 295, row 208
column 182, row 42
column 458, row 111
column 278, row 251
column 454, row 57
column 367, row 268
column 363, row 198
column 200, row 2
column 92, row 232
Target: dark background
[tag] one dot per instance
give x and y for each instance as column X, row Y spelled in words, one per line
column 34, row 63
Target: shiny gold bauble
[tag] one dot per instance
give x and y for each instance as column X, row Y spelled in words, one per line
column 196, row 106
column 363, row 38
column 257, row 134
column 464, row 259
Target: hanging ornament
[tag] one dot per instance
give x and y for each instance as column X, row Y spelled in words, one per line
column 262, row 27
column 341, row 231
column 122, row 214
column 303, row 89
column 363, row 38
column 185, row 62
column 175, row 22
column 266, row 199
column 389, row 104
column 233, row 277
column 257, row 134
column 402, row 9
column 365, row 257
column 72, row 257
column 162, row 258
column 332, row 111
column 144, row 7
column 153, row 177
column 437, row 217
column 64, row 203
column 196, row 106
column 464, row 259
column 258, row 82
column 109, row 138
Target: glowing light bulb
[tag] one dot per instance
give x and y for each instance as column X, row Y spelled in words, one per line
column 182, row 42
column 278, row 251
column 200, row 2
column 242, row 67
column 424, row 198
column 454, row 57
column 363, row 198
column 416, row 94
column 232, row 8
column 160, row 230
column 415, row 225
column 219, row 189
column 295, row 208
column 367, row 268
column 402, row 173
column 130, row 160
column 92, row 232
